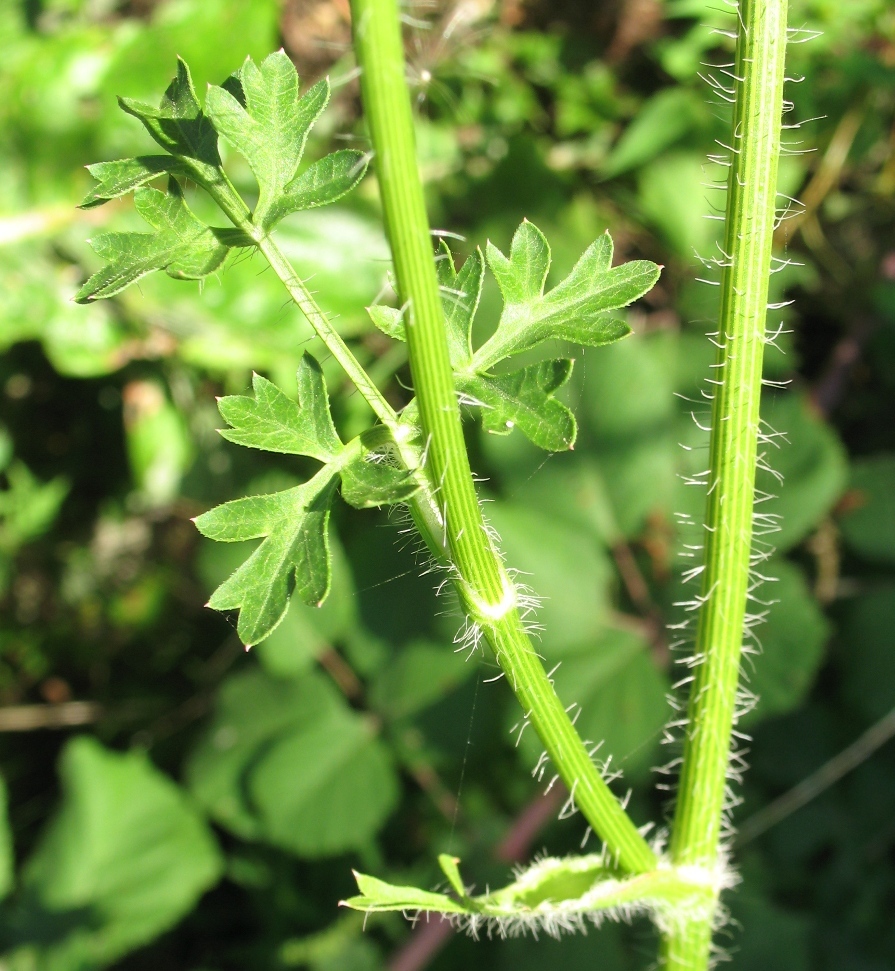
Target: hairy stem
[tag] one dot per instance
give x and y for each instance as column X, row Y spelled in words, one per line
column 751, row 205
column 487, row 593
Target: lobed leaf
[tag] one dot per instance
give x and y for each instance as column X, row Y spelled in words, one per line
column 578, row 309
column 181, row 245
column 269, row 125
column 460, row 295
column 180, row 126
column 524, row 399
column 326, row 181
column 126, row 175
column 274, row 422
column 293, row 556
column 293, row 523
column 370, row 479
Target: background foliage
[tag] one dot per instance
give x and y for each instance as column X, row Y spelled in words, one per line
column 173, row 802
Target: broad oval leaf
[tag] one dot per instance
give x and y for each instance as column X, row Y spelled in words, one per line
column 125, row 858
column 287, row 762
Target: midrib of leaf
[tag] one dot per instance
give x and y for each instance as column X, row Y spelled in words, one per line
column 485, row 590
column 751, row 205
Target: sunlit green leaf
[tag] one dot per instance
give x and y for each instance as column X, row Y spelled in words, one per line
column 294, row 554
column 182, row 245
column 579, row 309
column 460, row 295
column 269, row 127
column 274, row 422
column 326, row 181
column 126, row 175
column 180, row 126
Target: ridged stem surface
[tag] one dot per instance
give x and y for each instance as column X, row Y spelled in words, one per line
column 487, row 593
column 751, row 214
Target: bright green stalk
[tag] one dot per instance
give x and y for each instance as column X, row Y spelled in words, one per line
column 751, row 205
column 487, row 593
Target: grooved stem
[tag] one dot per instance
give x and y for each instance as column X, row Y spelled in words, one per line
column 487, row 593
column 751, row 207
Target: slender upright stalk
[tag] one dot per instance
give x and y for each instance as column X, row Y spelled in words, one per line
column 487, row 593
column 751, row 204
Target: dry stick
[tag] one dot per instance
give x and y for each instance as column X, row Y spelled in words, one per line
column 820, row 780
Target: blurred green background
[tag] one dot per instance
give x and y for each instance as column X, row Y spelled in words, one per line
column 172, row 802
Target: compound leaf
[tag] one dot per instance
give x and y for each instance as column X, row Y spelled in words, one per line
column 274, row 422
column 181, row 245
column 294, row 554
column 293, row 523
column 524, row 399
column 180, row 126
column 270, row 127
column 578, row 310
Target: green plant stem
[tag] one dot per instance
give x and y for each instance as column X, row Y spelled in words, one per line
column 487, row 593
column 751, row 205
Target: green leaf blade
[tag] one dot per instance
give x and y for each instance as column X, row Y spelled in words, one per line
column 377, row 896
column 326, row 181
column 125, row 859
column 127, row 175
column 275, row 423
column 271, row 128
column 522, row 276
column 373, row 477
column 181, row 245
column 294, row 555
column 579, row 309
column 180, row 126
column 524, row 399
column 460, row 295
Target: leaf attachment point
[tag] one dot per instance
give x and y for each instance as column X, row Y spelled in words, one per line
column 294, row 555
